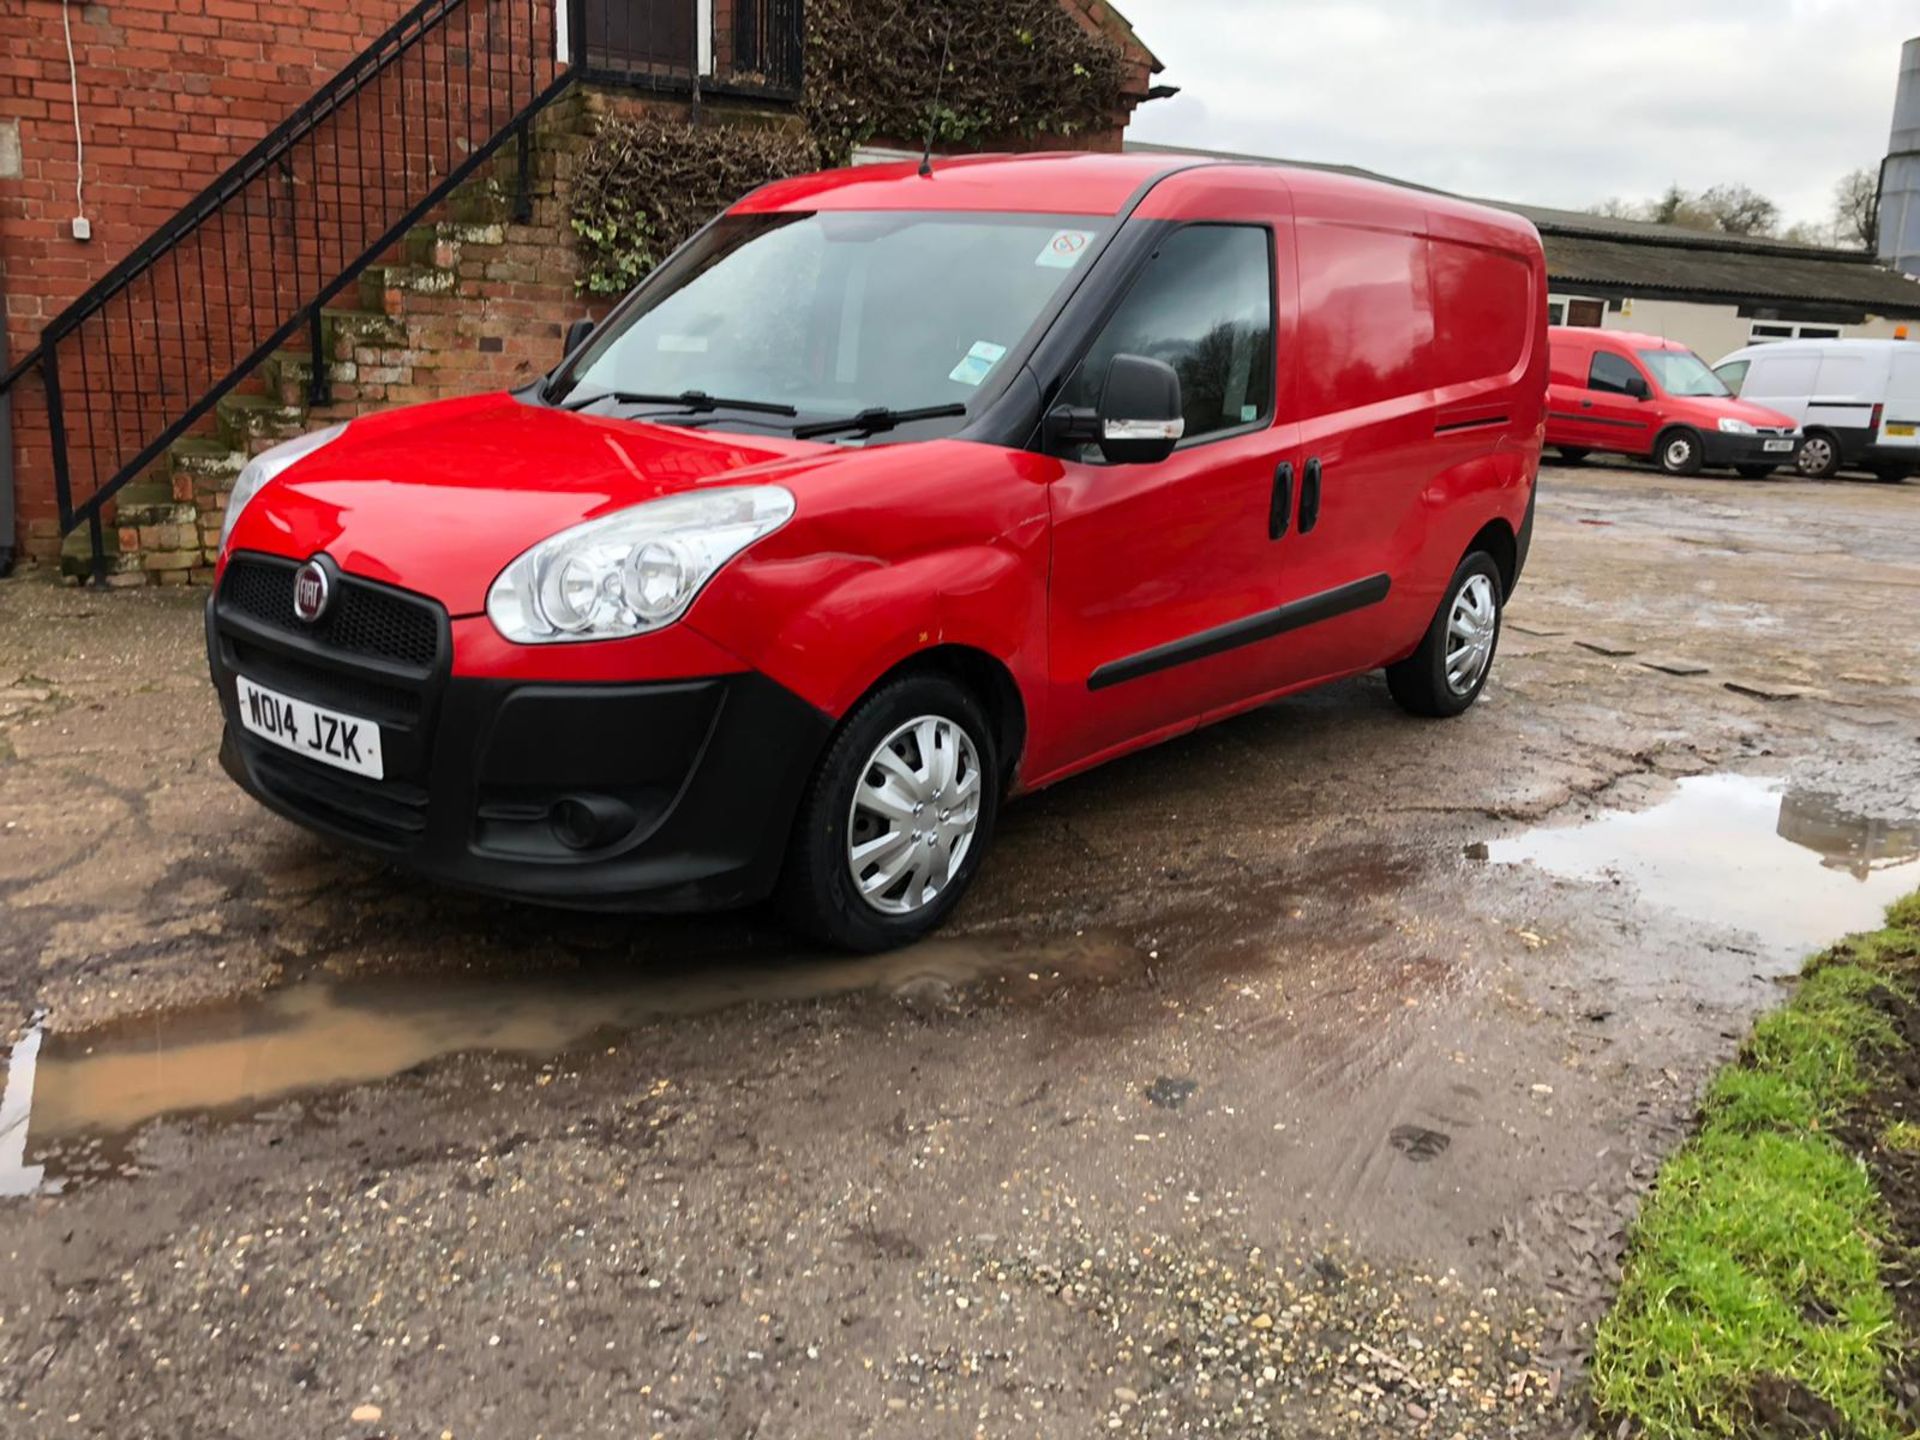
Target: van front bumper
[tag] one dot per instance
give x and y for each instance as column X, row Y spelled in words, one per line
column 1719, row 448
column 651, row 796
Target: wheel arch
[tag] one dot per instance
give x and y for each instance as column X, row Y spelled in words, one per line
column 988, row 678
column 1496, row 537
column 1831, row 436
column 1671, row 428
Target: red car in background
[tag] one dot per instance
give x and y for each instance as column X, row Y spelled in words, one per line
column 888, row 495
column 1641, row 395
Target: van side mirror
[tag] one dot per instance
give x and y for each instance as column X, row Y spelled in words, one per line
column 1140, row 414
column 577, row 333
column 1637, row 388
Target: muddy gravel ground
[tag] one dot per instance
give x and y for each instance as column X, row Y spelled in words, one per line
column 1296, row 1077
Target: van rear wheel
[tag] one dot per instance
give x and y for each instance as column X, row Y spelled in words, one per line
column 896, row 818
column 1571, row 454
column 1449, row 670
column 1753, row 472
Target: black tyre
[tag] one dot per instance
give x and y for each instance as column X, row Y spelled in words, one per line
column 1819, row 457
column 1571, row 454
column 1753, row 472
column 1677, row 451
column 1446, row 674
column 896, row 818
column 1889, row 474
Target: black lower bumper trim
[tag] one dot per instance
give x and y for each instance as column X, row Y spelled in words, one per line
column 1717, row 447
column 691, row 786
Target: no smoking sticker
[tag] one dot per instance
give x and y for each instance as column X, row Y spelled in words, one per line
column 1064, row 250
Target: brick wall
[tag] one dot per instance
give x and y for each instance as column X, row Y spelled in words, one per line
column 170, row 92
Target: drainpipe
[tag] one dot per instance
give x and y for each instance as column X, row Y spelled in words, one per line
column 7, row 519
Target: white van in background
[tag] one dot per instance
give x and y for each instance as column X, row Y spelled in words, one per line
column 1857, row 400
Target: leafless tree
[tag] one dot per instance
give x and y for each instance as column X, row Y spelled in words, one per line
column 1740, row 210
column 1855, row 221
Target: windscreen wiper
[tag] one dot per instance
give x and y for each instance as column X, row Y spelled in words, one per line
column 872, row 422
column 697, row 401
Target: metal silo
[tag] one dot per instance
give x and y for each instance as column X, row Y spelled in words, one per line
column 1900, row 171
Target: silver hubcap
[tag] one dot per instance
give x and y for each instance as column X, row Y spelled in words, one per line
column 1471, row 627
column 1815, row 456
column 914, row 813
column 1679, row 452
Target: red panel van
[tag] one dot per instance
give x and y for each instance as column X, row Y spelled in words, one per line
column 1654, row 399
column 887, row 497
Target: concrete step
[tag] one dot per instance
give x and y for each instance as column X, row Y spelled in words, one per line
column 348, row 329
column 383, row 287
column 438, row 245
column 246, row 421
column 76, row 557
column 152, row 502
column 205, row 455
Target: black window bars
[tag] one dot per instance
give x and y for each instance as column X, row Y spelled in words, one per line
column 149, row 349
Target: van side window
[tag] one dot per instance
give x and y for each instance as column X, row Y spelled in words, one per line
column 1204, row 304
column 1733, row 374
column 1613, row 373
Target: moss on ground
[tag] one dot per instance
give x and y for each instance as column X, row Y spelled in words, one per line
column 1754, row 1298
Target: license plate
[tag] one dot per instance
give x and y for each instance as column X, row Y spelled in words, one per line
column 345, row 742
column 1777, row 447
column 1905, row 430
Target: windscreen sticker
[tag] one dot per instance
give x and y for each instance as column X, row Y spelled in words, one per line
column 1064, row 250
column 980, row 359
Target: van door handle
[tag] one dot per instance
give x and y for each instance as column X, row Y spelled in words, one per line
column 1280, row 507
column 1310, row 496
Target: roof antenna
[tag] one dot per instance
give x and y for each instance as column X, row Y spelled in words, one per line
column 933, row 115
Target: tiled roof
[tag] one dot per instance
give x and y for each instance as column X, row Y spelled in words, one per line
column 1726, row 272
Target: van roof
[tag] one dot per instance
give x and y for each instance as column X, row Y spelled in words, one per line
column 1070, row 183
column 1615, row 339
column 1872, row 345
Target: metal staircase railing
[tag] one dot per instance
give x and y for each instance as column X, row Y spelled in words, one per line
column 147, row 351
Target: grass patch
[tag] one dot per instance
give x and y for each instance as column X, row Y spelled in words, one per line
column 1901, row 1135
column 1755, row 1267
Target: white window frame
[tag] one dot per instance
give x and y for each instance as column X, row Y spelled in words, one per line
column 1565, row 302
column 1795, row 330
column 703, row 30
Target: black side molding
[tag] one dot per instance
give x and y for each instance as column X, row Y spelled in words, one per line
column 1484, row 422
column 1597, row 420
column 1295, row 615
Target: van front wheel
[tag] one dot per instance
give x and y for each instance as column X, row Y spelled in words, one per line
column 1819, row 456
column 1678, row 452
column 1446, row 674
column 898, row 814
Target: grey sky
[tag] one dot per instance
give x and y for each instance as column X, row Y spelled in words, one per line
column 1539, row 100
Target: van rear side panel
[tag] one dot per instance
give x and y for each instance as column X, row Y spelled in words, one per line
column 1900, row 420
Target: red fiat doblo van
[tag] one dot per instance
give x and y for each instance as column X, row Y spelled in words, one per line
column 1640, row 395
column 886, row 497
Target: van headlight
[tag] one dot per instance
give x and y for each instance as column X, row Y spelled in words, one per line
column 1731, row 426
column 267, row 464
column 632, row 571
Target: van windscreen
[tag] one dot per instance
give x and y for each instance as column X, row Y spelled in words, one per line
column 1681, row 372
column 841, row 311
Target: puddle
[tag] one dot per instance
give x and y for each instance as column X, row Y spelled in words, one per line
column 1796, row 869
column 67, row 1097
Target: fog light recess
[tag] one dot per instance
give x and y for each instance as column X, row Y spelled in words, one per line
column 590, row 822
